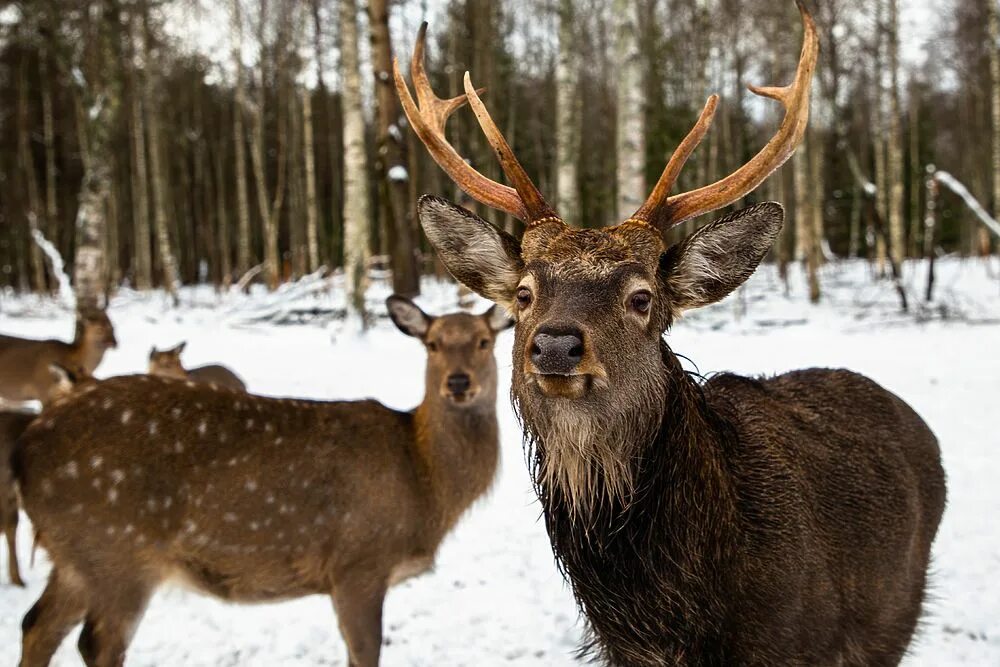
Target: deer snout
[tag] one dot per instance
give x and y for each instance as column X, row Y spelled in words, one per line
column 459, row 383
column 557, row 350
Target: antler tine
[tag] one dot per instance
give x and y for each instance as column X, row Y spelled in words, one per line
column 665, row 212
column 677, row 161
column 538, row 209
column 428, row 120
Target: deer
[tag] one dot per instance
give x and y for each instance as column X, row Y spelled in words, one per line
column 25, row 363
column 782, row 520
column 167, row 363
column 12, row 424
column 146, row 479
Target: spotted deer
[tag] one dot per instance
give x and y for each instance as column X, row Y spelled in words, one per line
column 167, row 363
column 24, row 363
column 785, row 520
column 12, row 424
column 145, row 479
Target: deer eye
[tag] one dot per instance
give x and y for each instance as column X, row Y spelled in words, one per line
column 640, row 301
column 523, row 297
column 484, row 343
column 432, row 346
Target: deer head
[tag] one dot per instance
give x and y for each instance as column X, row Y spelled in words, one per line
column 591, row 304
column 460, row 361
column 167, row 363
column 94, row 329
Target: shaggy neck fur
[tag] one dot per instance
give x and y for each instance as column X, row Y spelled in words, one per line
column 649, row 566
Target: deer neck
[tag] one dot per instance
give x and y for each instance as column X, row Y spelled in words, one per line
column 458, row 449
column 674, row 534
column 86, row 354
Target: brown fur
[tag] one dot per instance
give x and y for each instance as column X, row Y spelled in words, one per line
column 12, row 424
column 24, row 363
column 785, row 521
column 167, row 363
column 249, row 499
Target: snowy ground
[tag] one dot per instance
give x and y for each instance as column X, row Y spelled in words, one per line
column 496, row 597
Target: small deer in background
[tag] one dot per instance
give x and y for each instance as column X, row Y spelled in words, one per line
column 740, row 521
column 12, row 424
column 144, row 479
column 25, row 373
column 167, row 363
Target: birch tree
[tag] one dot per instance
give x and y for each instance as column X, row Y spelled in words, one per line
column 630, row 130
column 357, row 215
column 243, row 255
column 897, row 230
column 567, row 117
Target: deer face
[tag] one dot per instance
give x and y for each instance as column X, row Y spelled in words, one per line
column 461, row 368
column 592, row 305
column 167, row 363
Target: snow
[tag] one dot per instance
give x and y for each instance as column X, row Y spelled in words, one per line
column 958, row 188
column 495, row 596
column 398, row 173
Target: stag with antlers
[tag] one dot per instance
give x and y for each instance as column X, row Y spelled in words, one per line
column 780, row 521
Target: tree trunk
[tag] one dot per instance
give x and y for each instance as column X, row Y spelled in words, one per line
column 568, row 103
column 916, row 174
column 391, row 163
column 243, row 254
column 630, row 137
column 356, row 209
column 312, row 203
column 100, row 100
column 48, row 129
column 168, row 265
column 897, row 230
column 142, row 246
column 804, row 226
column 994, row 48
column 814, row 245
column 27, row 168
column 880, row 143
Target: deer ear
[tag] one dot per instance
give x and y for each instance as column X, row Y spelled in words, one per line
column 719, row 257
column 179, row 350
column 497, row 319
column 408, row 317
column 152, row 352
column 485, row 259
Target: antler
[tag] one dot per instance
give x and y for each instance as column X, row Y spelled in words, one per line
column 428, row 120
column 665, row 212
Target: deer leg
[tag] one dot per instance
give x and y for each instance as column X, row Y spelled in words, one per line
column 61, row 606
column 111, row 624
column 359, row 615
column 10, row 533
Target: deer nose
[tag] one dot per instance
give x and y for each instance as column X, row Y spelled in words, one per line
column 459, row 383
column 557, row 350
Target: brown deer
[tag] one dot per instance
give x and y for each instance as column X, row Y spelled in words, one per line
column 167, row 363
column 24, row 363
column 146, row 479
column 12, row 424
column 767, row 521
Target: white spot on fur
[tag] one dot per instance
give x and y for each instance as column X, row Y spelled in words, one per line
column 126, row 416
column 251, row 484
column 153, row 427
column 71, row 470
column 175, row 413
column 112, row 496
column 117, row 476
column 229, row 517
column 96, row 462
column 202, row 427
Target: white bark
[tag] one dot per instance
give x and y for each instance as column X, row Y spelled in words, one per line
column 567, row 118
column 630, row 132
column 357, row 216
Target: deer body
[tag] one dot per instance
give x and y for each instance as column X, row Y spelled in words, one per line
column 25, row 364
column 783, row 521
column 732, row 550
column 167, row 363
column 249, row 499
